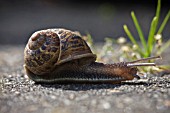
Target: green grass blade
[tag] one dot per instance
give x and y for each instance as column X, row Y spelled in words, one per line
column 138, row 28
column 164, row 23
column 158, row 9
column 132, row 39
column 151, row 35
column 153, row 28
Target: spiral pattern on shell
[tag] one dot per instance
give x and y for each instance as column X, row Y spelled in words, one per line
column 48, row 48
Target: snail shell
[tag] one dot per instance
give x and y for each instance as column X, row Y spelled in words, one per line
column 60, row 55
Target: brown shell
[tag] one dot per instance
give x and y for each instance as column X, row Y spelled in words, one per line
column 48, row 48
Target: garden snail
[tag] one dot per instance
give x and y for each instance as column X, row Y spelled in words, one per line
column 60, row 55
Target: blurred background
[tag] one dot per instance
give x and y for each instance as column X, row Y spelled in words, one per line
column 20, row 18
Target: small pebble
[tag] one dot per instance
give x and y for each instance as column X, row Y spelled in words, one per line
column 106, row 105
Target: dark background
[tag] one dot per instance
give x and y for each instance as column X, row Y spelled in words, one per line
column 20, row 18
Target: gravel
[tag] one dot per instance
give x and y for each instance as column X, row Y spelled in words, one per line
column 19, row 94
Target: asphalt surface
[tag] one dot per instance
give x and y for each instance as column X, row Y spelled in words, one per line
column 18, row 94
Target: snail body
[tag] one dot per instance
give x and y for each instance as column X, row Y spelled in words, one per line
column 60, row 55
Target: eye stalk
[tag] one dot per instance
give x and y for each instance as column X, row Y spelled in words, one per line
column 137, row 62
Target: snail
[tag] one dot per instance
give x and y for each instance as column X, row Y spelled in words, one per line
column 60, row 55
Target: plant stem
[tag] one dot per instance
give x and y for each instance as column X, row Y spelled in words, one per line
column 151, row 36
column 164, row 23
column 130, row 35
column 141, row 36
column 132, row 39
column 158, row 9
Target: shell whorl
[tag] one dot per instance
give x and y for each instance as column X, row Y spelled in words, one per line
column 48, row 48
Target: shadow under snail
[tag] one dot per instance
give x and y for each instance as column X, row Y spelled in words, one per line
column 60, row 55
